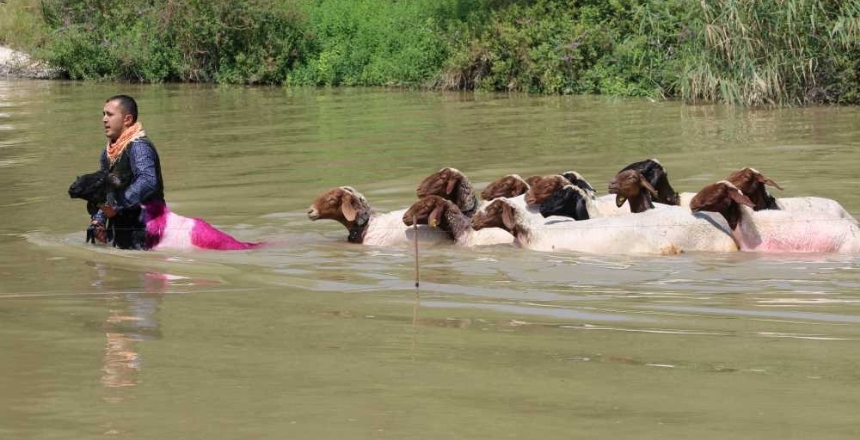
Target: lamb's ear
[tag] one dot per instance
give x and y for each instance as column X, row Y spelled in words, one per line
column 619, row 200
column 508, row 218
column 347, row 208
column 738, row 197
column 452, row 183
column 435, row 217
column 768, row 181
column 647, row 185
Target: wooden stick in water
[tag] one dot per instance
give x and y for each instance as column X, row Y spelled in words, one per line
column 415, row 304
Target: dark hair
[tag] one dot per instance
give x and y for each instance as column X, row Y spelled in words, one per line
column 127, row 104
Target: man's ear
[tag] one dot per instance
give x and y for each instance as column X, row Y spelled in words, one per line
column 127, row 120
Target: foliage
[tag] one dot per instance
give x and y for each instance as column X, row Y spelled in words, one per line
column 165, row 40
column 20, row 24
column 746, row 52
column 372, row 42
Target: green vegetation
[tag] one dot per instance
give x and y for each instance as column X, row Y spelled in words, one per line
column 782, row 52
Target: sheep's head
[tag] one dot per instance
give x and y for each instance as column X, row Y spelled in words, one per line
column 452, row 185
column 569, row 201
column 543, row 188
column 343, row 204
column 632, row 186
column 576, row 179
column 511, row 185
column 497, row 214
column 531, row 180
column 722, row 197
column 429, row 210
column 658, row 178
column 752, row 184
column 91, row 187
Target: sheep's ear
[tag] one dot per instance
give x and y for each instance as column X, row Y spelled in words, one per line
column 436, row 215
column 508, row 217
column 451, row 184
column 768, row 181
column 738, row 197
column 647, row 185
column 619, row 200
column 346, row 207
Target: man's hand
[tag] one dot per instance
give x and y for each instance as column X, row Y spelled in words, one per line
column 109, row 211
column 99, row 232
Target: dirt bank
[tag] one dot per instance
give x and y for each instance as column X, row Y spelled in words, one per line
column 14, row 64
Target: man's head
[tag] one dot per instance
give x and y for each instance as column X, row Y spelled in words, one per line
column 119, row 113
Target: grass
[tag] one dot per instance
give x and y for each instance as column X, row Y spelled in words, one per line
column 740, row 52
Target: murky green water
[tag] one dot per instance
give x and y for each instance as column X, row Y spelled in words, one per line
column 314, row 338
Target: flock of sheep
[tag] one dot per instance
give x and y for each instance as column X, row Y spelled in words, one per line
column 641, row 215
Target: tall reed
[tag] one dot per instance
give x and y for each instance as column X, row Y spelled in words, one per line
column 779, row 52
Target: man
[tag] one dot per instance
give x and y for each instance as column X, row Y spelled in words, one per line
column 133, row 158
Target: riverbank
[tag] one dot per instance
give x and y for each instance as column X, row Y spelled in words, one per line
column 15, row 64
column 794, row 52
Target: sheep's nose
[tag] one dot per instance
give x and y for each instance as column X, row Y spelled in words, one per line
column 312, row 213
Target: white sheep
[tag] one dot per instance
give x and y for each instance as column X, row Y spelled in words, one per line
column 753, row 184
column 446, row 216
column 777, row 230
column 670, row 230
column 348, row 207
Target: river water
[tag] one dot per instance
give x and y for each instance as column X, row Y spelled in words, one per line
column 317, row 338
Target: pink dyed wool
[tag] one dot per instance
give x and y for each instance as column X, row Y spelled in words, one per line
column 166, row 230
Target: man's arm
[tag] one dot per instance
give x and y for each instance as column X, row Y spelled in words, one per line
column 144, row 181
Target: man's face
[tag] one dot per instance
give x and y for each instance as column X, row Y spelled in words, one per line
column 114, row 121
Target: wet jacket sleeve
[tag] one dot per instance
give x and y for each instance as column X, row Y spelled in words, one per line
column 144, row 178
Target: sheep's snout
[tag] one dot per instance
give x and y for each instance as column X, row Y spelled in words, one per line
column 313, row 213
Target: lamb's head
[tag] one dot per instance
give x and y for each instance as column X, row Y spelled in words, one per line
column 93, row 187
column 569, row 201
column 452, row 185
column 497, row 214
column 722, row 197
column 544, row 187
column 631, row 186
column 658, row 178
column 511, row 185
column 576, row 179
column 343, row 204
column 752, row 184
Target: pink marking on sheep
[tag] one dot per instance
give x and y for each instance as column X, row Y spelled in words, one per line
column 168, row 230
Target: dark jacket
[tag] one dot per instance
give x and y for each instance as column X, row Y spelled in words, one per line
column 139, row 173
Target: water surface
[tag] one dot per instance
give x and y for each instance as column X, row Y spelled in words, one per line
column 317, row 338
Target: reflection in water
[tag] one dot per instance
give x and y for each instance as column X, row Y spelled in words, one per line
column 133, row 318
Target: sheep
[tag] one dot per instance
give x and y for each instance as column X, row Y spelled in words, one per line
column 444, row 214
column 348, row 207
column 777, row 230
column 752, row 183
column 671, row 230
column 511, row 185
column 451, row 184
column 164, row 229
column 658, row 177
column 583, row 206
column 632, row 187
